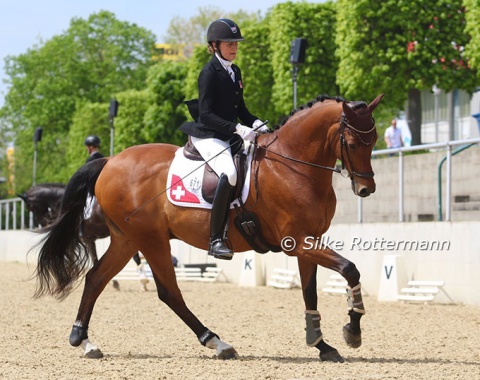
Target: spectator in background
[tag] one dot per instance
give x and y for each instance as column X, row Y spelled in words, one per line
column 393, row 136
column 92, row 143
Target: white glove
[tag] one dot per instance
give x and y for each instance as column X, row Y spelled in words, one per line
column 262, row 129
column 246, row 133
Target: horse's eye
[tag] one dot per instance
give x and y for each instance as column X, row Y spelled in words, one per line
column 352, row 146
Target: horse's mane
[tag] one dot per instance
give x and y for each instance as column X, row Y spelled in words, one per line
column 319, row 98
column 49, row 185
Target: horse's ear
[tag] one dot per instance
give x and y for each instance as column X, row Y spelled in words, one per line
column 349, row 113
column 375, row 102
column 24, row 196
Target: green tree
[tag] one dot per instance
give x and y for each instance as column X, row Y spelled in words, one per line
column 165, row 83
column 472, row 49
column 91, row 61
column 401, row 47
column 129, row 125
column 89, row 119
column 254, row 59
column 198, row 59
column 316, row 23
column 193, row 31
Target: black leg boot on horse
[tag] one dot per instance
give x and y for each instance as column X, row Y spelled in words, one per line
column 218, row 220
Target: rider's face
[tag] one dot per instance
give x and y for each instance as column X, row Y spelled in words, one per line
column 228, row 50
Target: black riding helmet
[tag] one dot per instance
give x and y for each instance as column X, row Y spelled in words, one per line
column 224, row 30
column 92, row 140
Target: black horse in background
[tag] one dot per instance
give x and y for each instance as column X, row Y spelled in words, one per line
column 44, row 201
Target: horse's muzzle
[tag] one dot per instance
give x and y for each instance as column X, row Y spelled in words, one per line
column 363, row 190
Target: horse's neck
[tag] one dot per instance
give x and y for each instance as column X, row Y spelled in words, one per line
column 306, row 137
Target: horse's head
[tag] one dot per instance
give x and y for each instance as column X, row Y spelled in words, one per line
column 357, row 137
column 43, row 201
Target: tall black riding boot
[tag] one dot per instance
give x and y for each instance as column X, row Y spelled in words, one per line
column 218, row 219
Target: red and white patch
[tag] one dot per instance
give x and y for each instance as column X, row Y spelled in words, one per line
column 179, row 192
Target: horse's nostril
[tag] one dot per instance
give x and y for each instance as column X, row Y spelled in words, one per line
column 364, row 192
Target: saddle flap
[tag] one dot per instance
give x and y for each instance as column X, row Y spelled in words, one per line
column 210, row 178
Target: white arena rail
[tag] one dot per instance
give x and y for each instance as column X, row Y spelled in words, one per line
column 12, row 214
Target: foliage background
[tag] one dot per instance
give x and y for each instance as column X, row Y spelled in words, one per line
column 355, row 49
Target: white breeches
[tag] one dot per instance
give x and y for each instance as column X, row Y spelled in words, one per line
column 219, row 156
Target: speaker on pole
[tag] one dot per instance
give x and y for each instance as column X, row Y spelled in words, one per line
column 297, row 56
column 112, row 114
column 37, row 135
column 113, row 110
column 297, row 51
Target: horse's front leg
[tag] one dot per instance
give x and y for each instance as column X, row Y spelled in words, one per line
column 314, row 336
column 330, row 259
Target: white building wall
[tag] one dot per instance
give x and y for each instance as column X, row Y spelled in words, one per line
column 457, row 266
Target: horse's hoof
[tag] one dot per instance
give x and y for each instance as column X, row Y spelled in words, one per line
column 331, row 356
column 227, row 354
column 116, row 285
column 94, row 354
column 353, row 340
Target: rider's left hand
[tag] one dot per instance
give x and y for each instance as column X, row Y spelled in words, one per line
column 262, row 129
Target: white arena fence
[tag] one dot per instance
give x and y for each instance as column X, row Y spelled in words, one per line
column 13, row 214
column 448, row 147
column 414, row 252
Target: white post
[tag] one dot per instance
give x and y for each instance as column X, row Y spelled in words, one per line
column 401, row 194
column 448, row 201
column 252, row 273
column 436, row 93
column 392, row 278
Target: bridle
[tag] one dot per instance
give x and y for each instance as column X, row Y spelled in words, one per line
column 344, row 124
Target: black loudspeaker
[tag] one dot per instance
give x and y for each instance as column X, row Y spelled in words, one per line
column 113, row 110
column 37, row 136
column 297, row 51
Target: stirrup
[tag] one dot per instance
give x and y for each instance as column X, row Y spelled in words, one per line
column 219, row 250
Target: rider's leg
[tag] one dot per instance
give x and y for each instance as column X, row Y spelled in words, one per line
column 218, row 220
column 217, row 153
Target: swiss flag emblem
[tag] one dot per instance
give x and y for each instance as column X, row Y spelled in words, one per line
column 179, row 193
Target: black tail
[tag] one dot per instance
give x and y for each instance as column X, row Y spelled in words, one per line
column 63, row 257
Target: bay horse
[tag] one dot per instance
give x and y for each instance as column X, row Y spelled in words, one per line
column 291, row 194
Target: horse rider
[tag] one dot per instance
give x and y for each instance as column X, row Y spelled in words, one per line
column 92, row 143
column 220, row 104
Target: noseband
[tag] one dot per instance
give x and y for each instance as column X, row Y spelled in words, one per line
column 344, row 124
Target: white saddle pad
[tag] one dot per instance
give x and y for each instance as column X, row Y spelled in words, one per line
column 184, row 182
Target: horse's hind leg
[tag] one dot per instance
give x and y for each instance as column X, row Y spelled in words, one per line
column 167, row 288
column 114, row 259
column 314, row 336
column 330, row 259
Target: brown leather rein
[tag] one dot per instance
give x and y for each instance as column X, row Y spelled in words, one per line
column 344, row 124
